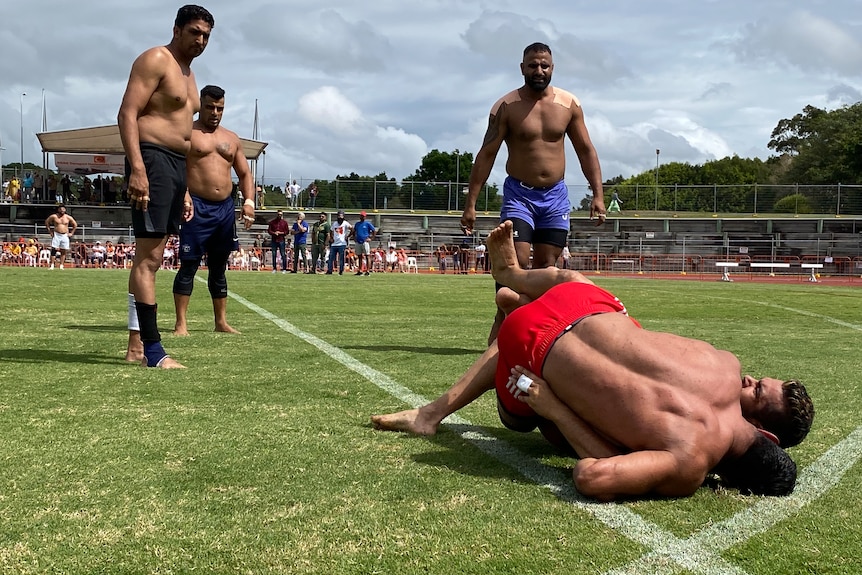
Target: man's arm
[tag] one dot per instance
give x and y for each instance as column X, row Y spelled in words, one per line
column 638, row 473
column 581, row 436
column 144, row 79
column 483, row 163
column 589, row 160
column 48, row 221
column 74, row 225
column 246, row 183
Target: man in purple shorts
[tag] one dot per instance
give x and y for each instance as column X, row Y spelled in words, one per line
column 533, row 121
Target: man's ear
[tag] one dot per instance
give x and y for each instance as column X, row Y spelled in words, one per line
column 770, row 436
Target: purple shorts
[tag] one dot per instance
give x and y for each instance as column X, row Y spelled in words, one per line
column 541, row 208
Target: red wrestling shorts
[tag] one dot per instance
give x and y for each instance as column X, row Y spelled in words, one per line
column 528, row 333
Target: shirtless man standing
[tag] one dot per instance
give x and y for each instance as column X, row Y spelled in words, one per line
column 648, row 412
column 58, row 228
column 534, row 121
column 214, row 151
column 155, row 121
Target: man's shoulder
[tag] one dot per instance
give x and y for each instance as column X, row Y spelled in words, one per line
column 157, row 56
column 564, row 98
column 509, row 98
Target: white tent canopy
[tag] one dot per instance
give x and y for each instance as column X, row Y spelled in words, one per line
column 98, row 145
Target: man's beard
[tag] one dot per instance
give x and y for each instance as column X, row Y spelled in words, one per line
column 537, row 85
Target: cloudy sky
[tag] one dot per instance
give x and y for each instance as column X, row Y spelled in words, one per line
column 369, row 87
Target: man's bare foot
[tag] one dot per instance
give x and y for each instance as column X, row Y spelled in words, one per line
column 225, row 328
column 181, row 329
column 135, row 347
column 167, row 363
column 501, row 249
column 409, row 421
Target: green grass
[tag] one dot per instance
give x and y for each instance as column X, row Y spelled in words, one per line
column 259, row 458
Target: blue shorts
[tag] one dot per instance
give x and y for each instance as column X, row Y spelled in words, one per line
column 166, row 172
column 541, row 208
column 212, row 230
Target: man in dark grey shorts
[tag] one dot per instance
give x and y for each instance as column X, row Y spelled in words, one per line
column 155, row 121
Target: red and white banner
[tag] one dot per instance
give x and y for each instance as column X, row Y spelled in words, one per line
column 86, row 164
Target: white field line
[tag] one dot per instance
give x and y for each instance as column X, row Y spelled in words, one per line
column 697, row 553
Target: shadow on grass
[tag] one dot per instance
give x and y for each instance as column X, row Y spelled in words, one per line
column 54, row 356
column 454, row 455
column 417, row 349
column 97, row 328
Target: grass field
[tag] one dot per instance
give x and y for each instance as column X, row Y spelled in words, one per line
column 260, row 458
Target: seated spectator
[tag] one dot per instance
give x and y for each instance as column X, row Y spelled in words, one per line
column 31, row 253
column 97, row 254
column 79, row 254
column 391, row 259
column 130, row 255
column 110, row 254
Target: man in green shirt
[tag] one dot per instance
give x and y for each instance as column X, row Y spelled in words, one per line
column 319, row 237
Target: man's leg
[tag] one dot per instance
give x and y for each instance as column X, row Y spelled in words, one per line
column 142, row 283
column 184, row 283
column 135, row 347
column 425, row 420
column 217, row 284
column 506, row 268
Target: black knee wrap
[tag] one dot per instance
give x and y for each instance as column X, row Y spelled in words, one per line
column 217, row 282
column 184, row 282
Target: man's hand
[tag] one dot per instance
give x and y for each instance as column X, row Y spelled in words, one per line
column 188, row 208
column 539, row 395
column 468, row 220
column 597, row 209
column 139, row 191
column 247, row 217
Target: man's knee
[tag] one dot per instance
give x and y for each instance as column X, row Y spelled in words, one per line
column 184, row 281
column 217, row 284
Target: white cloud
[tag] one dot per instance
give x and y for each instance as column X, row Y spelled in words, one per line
column 370, row 87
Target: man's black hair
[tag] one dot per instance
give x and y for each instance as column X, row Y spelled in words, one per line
column 192, row 12
column 765, row 469
column 213, row 92
column 537, row 47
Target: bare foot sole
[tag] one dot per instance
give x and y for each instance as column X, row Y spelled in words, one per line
column 501, row 248
column 167, row 363
column 409, row 421
column 226, row 329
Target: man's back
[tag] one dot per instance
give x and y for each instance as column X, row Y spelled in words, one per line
column 648, row 390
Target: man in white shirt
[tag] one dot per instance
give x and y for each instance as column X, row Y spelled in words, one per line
column 338, row 242
column 293, row 191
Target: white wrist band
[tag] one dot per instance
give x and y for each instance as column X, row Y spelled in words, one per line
column 248, row 202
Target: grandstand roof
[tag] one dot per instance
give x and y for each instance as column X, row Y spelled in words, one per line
column 106, row 140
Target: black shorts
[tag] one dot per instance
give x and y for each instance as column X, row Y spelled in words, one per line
column 524, row 232
column 166, row 172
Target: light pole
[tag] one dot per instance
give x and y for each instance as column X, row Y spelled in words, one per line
column 657, row 152
column 22, row 132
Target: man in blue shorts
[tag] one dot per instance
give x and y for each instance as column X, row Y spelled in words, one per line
column 533, row 122
column 155, row 122
column 214, row 151
column 363, row 233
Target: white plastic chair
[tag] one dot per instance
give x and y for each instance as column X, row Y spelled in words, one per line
column 412, row 264
column 45, row 256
